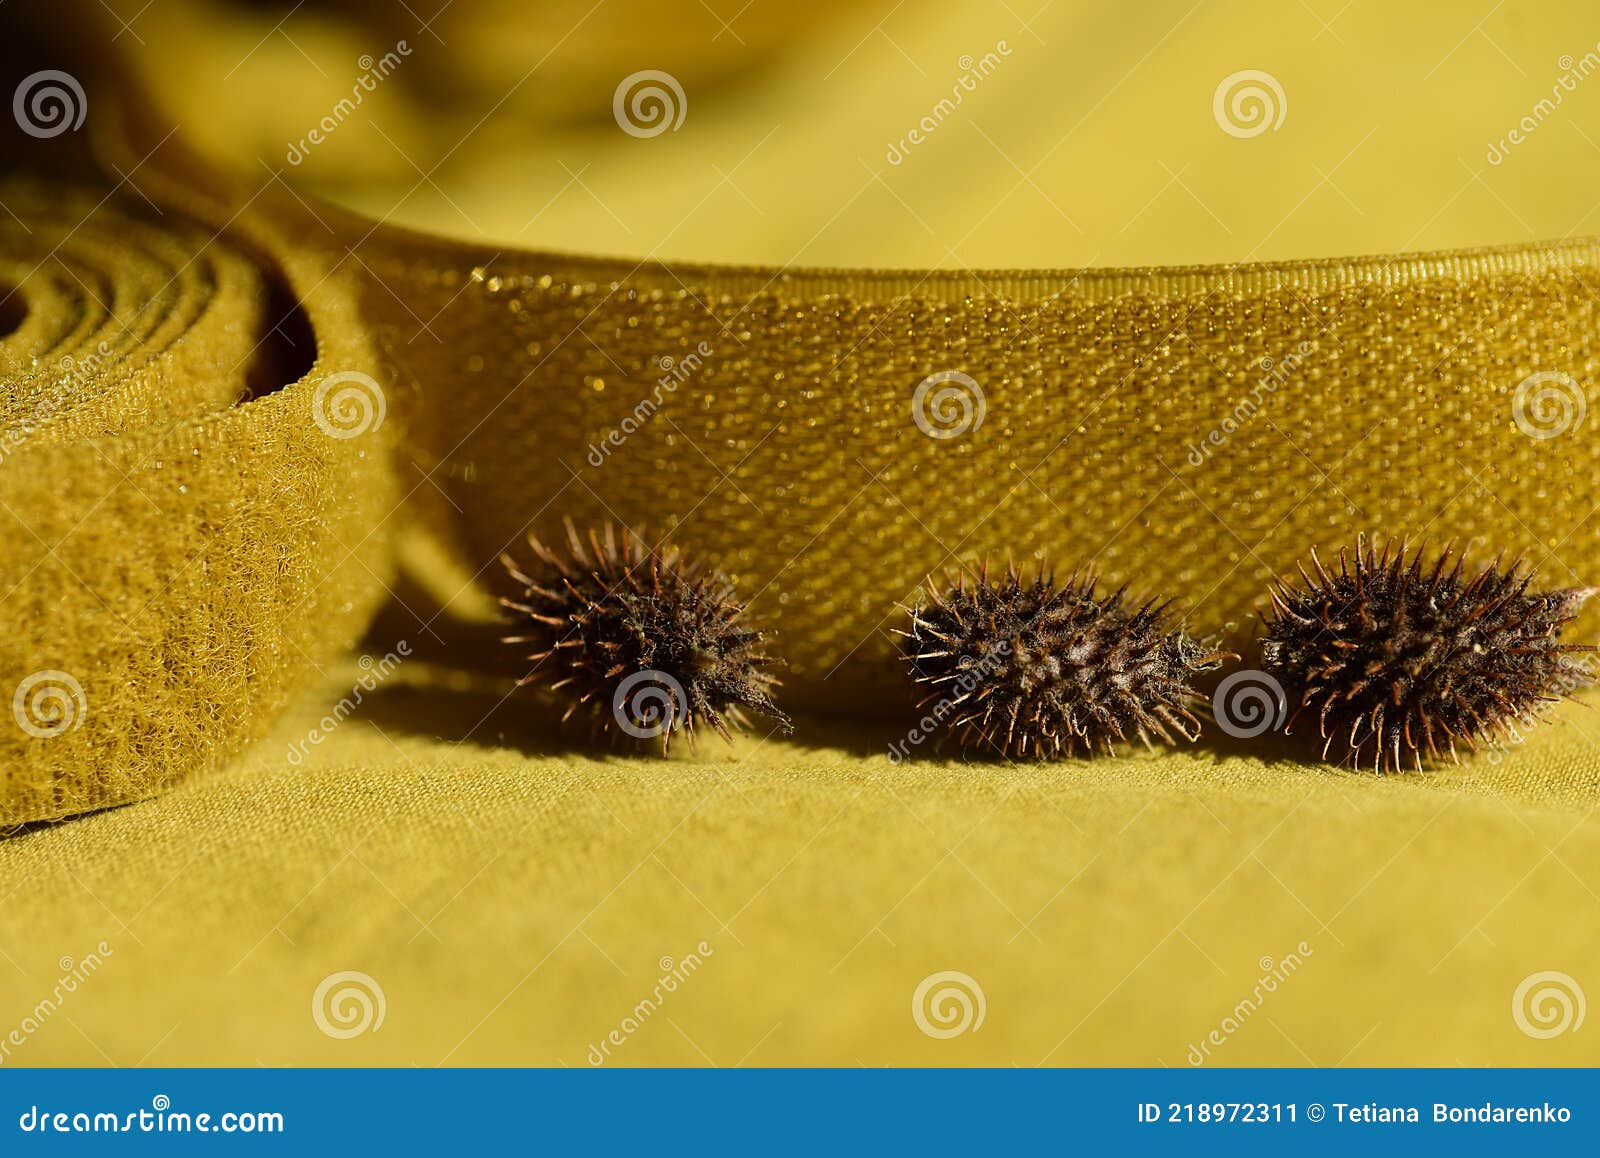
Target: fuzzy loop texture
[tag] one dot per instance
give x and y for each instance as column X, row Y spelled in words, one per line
column 180, row 551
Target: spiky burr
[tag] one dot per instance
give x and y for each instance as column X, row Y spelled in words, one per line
column 1394, row 661
column 645, row 640
column 1026, row 669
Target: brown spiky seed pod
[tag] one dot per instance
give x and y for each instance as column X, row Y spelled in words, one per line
column 1394, row 661
column 1029, row 670
column 646, row 641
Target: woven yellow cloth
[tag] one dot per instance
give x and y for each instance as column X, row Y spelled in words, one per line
column 200, row 566
column 514, row 901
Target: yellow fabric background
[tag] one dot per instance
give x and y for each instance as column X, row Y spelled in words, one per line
column 513, row 899
column 513, row 896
